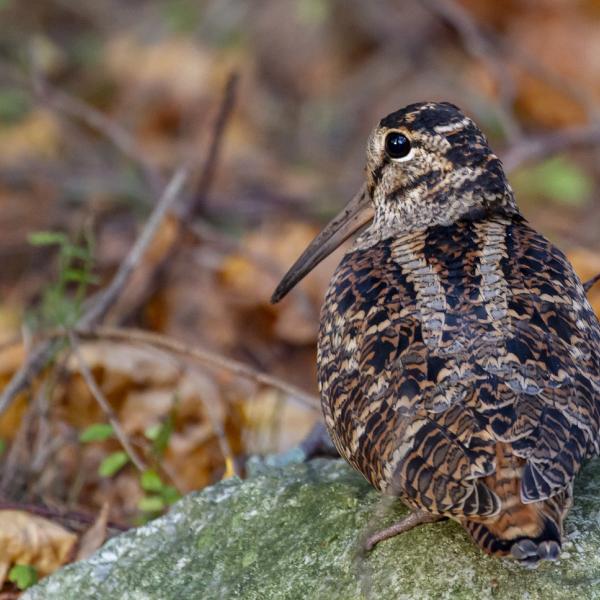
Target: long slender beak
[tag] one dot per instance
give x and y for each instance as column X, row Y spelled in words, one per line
column 358, row 212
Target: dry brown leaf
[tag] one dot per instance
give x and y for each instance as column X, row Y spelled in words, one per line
column 31, row 540
column 139, row 365
column 35, row 137
column 95, row 536
column 178, row 65
column 145, row 408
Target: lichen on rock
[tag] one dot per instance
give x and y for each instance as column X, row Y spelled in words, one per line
column 295, row 532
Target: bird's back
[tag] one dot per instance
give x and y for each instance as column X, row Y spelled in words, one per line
column 459, row 369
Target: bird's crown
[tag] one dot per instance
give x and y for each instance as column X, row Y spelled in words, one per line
column 429, row 164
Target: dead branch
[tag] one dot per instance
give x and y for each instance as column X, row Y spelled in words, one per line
column 590, row 283
column 98, row 307
column 205, row 357
column 489, row 48
column 479, row 46
column 152, row 273
column 104, row 403
column 194, row 206
column 58, row 515
column 83, row 112
column 535, row 148
column 217, row 426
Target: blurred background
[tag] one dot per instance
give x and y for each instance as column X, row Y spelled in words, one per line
column 268, row 104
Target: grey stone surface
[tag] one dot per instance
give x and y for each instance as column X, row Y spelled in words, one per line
column 293, row 532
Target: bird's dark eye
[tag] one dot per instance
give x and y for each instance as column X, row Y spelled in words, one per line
column 397, row 145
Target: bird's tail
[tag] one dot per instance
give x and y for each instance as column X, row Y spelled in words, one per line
column 528, row 532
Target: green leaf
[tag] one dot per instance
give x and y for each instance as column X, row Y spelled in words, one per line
column 151, row 504
column 98, row 432
column 160, row 434
column 558, row 179
column 79, row 276
column 170, row 494
column 14, row 103
column 23, row 576
column 151, row 481
column 72, row 251
column 313, row 12
column 181, row 16
column 153, row 431
column 112, row 464
column 47, row 238
column 2, row 446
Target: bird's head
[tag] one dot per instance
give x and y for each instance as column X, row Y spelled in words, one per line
column 427, row 164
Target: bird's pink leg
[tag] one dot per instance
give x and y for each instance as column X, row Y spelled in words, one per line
column 418, row 517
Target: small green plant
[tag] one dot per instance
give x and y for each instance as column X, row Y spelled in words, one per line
column 113, row 463
column 23, row 576
column 160, row 434
column 62, row 300
column 159, row 494
column 558, row 179
column 2, row 446
column 97, row 432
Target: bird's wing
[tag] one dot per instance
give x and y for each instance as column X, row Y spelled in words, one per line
column 551, row 364
column 435, row 349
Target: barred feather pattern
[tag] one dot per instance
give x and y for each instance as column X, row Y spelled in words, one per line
column 459, row 369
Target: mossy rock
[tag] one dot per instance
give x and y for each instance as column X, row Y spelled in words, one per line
column 295, row 532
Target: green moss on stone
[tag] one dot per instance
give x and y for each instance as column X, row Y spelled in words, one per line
column 294, row 532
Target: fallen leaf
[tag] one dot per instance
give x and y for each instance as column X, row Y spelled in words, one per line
column 37, row 136
column 95, row 536
column 27, row 539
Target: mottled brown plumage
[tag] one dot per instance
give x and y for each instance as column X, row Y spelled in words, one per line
column 458, row 357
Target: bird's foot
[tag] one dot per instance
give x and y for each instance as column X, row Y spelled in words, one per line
column 418, row 517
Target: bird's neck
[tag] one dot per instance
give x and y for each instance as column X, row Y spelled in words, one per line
column 415, row 214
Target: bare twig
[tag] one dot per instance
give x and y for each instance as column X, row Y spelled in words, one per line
column 98, row 310
column 98, row 307
column 151, row 274
column 99, row 122
column 206, row 357
column 209, row 399
column 590, row 283
column 194, row 206
column 104, row 404
column 53, row 514
column 481, row 48
column 553, row 78
column 544, row 145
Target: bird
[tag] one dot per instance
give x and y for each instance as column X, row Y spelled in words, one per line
column 458, row 356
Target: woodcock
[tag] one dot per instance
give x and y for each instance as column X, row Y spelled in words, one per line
column 458, row 356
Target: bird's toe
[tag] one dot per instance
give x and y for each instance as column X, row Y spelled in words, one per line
column 548, row 550
column 524, row 549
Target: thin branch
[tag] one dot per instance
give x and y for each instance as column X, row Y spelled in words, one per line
column 479, row 46
column 590, row 283
column 53, row 514
column 150, row 276
column 194, row 206
column 99, row 122
column 98, row 310
column 35, row 362
column 206, row 357
column 104, row 404
column 98, row 307
column 538, row 147
column 209, row 400
column 553, row 78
